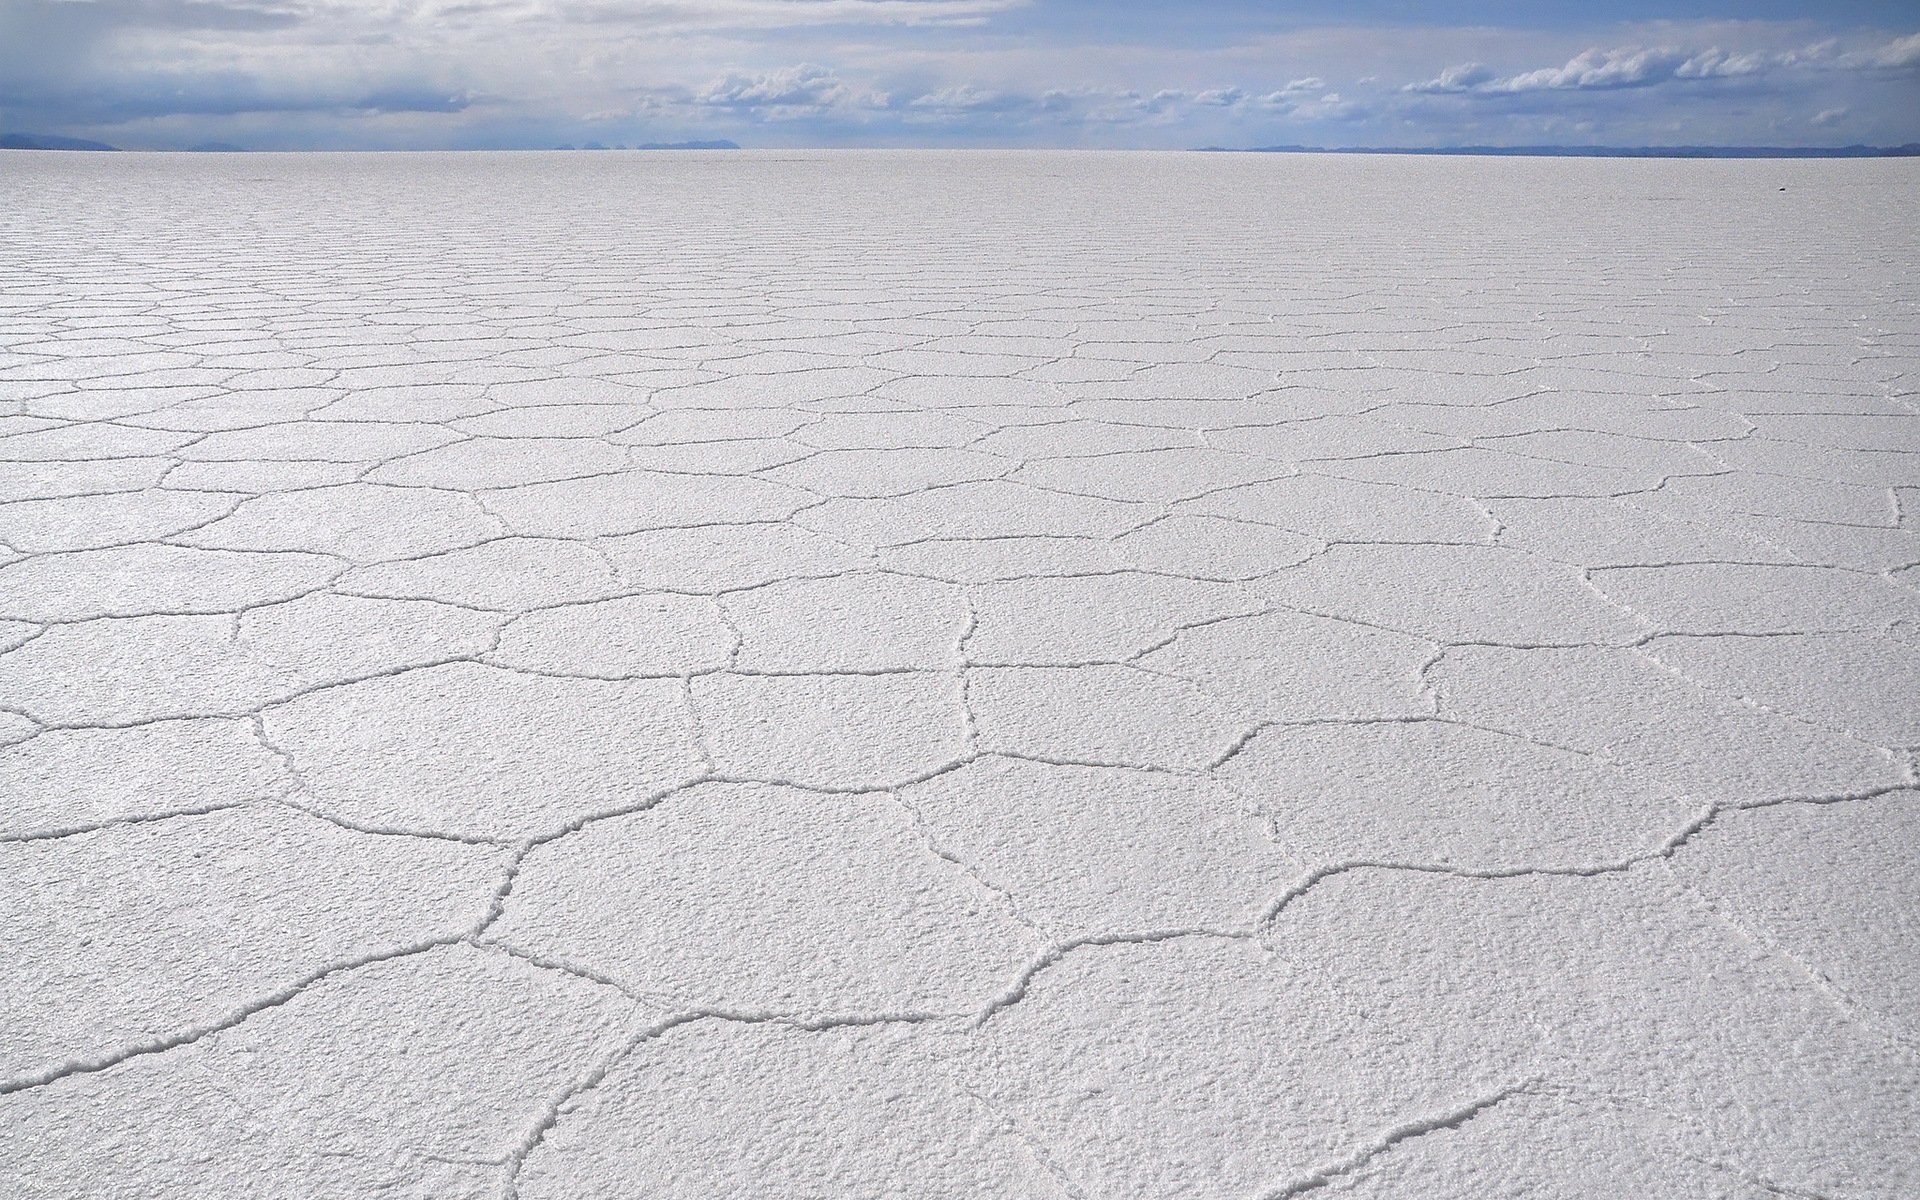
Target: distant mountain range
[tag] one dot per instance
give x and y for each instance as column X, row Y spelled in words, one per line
column 1911, row 149
column 47, row 141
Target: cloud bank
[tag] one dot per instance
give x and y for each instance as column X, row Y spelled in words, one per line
column 1606, row 69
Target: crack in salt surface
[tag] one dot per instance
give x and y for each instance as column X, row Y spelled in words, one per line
column 1665, row 850
column 556, row 1109
column 160, row 1045
column 1423, row 1127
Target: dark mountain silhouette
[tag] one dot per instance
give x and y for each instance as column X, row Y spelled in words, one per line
column 48, row 141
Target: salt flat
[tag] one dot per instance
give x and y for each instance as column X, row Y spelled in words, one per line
column 1047, row 675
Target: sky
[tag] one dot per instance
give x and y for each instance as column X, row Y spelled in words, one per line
column 392, row 74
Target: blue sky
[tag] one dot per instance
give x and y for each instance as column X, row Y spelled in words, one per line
column 309, row 74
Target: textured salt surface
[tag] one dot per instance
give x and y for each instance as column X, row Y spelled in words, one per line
column 871, row 675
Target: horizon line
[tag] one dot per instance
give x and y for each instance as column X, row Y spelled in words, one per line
column 55, row 143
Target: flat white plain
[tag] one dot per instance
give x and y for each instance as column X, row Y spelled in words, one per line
column 871, row 674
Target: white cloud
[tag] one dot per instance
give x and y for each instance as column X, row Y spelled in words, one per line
column 967, row 99
column 1901, row 52
column 1720, row 64
column 803, row 90
column 1621, row 67
column 710, row 15
column 1330, row 107
column 1598, row 69
column 1462, row 78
